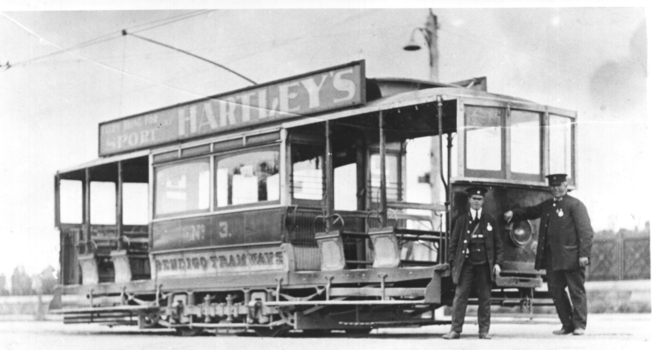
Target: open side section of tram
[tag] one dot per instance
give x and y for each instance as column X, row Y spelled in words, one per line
column 318, row 202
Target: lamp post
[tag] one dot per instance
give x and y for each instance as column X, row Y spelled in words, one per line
column 430, row 35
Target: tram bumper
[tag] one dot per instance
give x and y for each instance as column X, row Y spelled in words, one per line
column 518, row 281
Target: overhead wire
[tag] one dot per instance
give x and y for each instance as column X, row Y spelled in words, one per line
column 97, row 62
column 103, row 38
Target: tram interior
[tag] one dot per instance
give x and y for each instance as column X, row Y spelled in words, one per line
column 355, row 199
column 94, row 227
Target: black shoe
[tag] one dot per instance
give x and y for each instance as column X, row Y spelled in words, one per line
column 484, row 336
column 563, row 331
column 578, row 331
column 451, row 335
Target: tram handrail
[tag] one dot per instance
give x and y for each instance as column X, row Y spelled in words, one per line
column 413, row 205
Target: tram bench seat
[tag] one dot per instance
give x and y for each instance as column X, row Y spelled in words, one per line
column 386, row 243
column 131, row 259
column 128, row 256
column 331, row 245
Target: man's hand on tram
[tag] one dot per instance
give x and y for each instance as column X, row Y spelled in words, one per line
column 583, row 261
column 508, row 216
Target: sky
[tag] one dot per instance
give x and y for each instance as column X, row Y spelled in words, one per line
column 589, row 59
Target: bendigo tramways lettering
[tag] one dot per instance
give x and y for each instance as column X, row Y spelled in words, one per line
column 223, row 261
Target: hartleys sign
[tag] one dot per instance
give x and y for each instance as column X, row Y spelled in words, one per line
column 328, row 89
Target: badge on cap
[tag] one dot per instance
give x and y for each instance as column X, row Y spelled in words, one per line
column 560, row 212
column 489, row 227
column 476, row 190
column 556, row 179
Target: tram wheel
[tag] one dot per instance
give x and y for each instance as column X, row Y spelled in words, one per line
column 277, row 331
column 358, row 331
column 188, row 332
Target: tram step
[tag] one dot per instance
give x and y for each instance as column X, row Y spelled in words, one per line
column 396, row 323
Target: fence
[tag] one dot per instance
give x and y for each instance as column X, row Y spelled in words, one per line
column 621, row 256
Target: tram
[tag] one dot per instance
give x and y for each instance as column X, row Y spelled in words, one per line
column 317, row 202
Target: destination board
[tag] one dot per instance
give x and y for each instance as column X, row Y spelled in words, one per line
column 328, row 89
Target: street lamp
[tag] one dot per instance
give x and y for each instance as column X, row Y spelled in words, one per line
column 430, row 35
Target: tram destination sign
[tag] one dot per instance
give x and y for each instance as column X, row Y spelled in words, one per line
column 320, row 91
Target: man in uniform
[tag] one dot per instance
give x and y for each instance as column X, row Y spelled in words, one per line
column 564, row 249
column 475, row 252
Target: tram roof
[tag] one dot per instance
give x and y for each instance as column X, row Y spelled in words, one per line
column 395, row 94
column 427, row 93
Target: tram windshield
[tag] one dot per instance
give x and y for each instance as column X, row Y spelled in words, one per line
column 507, row 143
column 561, row 143
column 525, row 145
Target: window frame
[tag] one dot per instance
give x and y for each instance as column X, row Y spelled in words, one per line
column 506, row 176
column 541, row 148
column 217, row 157
column 572, row 178
column 187, row 212
column 504, row 152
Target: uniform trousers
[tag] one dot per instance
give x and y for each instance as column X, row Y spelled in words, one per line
column 472, row 274
column 572, row 315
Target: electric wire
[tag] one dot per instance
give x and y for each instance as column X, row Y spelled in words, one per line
column 103, row 38
column 100, row 63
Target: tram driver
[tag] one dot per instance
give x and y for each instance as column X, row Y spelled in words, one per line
column 475, row 251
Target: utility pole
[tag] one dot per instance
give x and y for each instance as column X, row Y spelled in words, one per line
column 431, row 28
column 430, row 35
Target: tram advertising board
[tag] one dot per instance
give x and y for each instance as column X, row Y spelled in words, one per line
column 328, row 89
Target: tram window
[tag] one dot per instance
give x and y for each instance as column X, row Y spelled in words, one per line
column 247, row 178
column 135, row 203
column 70, row 199
column 525, row 139
column 483, row 138
column 392, row 177
column 560, row 154
column 307, row 171
column 103, row 203
column 182, row 187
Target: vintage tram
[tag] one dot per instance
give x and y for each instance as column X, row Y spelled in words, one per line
column 318, row 202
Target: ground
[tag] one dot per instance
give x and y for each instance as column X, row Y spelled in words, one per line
column 605, row 331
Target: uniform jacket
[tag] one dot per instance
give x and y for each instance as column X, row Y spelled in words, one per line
column 567, row 227
column 460, row 239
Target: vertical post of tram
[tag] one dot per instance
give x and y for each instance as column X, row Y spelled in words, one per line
column 328, row 190
column 86, row 192
column 383, row 200
column 119, row 201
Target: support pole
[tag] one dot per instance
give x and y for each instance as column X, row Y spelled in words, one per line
column 383, row 200
column 328, row 170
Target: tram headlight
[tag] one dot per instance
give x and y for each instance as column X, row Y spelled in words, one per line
column 521, row 233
